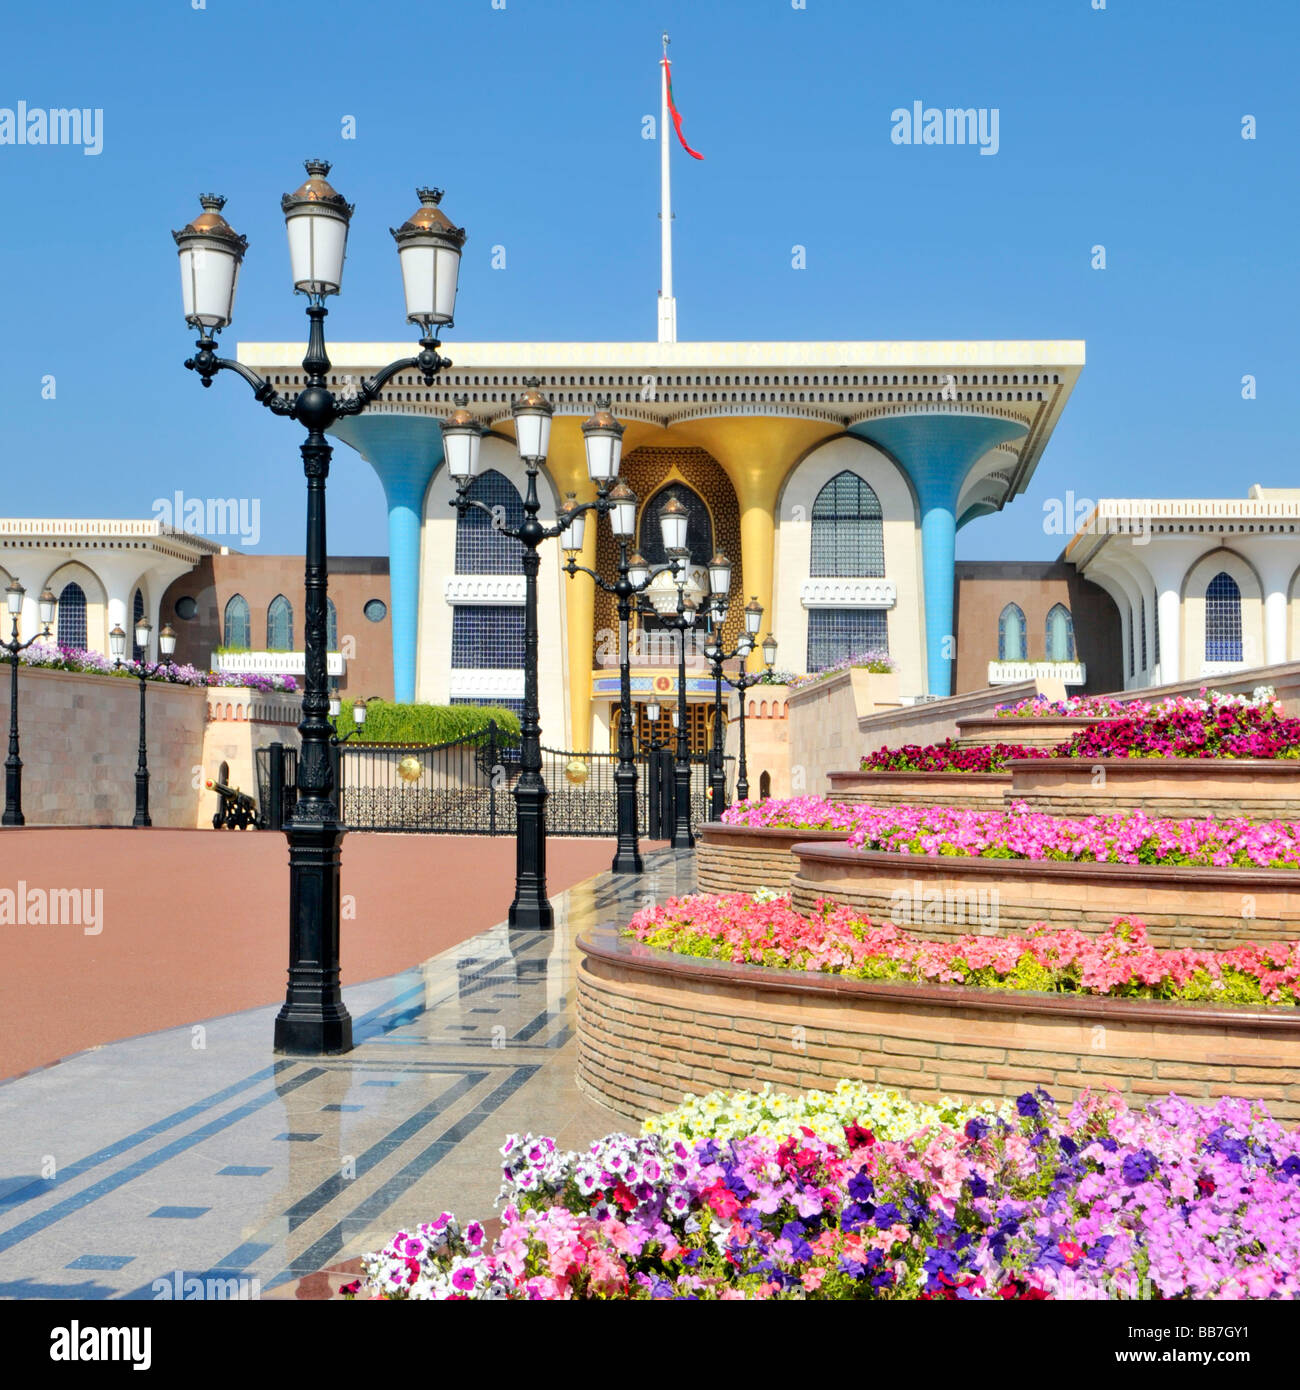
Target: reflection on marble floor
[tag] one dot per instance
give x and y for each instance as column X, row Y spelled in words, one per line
column 189, row 1159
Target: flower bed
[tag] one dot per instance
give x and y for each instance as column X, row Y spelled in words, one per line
column 1098, row 1201
column 1218, row 727
column 54, row 656
column 877, row 662
column 1108, row 706
column 837, row 940
column 888, row 1114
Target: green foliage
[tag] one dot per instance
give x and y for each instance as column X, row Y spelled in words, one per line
column 393, row 723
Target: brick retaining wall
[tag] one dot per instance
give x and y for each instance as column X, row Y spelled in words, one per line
column 980, row 790
column 739, row 859
column 1199, row 907
column 654, row 1028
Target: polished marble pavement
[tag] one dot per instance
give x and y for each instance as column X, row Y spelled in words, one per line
column 197, row 1155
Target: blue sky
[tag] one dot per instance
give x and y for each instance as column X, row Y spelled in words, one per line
column 1119, row 126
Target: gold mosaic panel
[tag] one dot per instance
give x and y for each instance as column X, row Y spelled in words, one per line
column 646, row 471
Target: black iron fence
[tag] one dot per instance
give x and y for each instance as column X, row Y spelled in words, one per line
column 465, row 787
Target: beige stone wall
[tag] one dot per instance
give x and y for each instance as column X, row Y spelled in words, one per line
column 767, row 738
column 825, row 719
column 649, row 1037
column 239, row 722
column 79, row 739
column 981, row 790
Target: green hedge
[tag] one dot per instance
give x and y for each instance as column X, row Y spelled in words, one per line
column 391, row 723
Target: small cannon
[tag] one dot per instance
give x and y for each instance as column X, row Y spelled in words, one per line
column 236, row 810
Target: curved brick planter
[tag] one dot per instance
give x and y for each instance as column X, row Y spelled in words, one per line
column 948, row 895
column 984, row 790
column 1182, row 788
column 655, row 1027
column 738, row 858
column 979, row 730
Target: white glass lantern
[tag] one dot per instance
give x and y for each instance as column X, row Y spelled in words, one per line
column 652, row 711
column 143, row 631
column 677, row 716
column 753, row 618
column 745, row 645
column 429, row 247
column 358, row 712
column 14, row 595
column 211, row 252
column 603, row 437
column 462, row 436
column 48, row 603
column 769, row 650
column 622, row 514
column 316, row 218
column 117, row 642
column 532, row 412
column 575, row 525
column 638, row 571
column 167, row 641
column 688, row 612
column 711, row 649
column 335, row 706
column 672, row 525
column 720, row 574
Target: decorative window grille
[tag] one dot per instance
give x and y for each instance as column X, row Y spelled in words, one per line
column 1143, row 616
column 1223, row 619
column 279, row 625
column 699, row 527
column 481, row 546
column 487, row 636
column 848, row 536
column 331, row 626
column 237, row 626
column 137, row 612
column 1132, row 664
column 516, row 707
column 1060, row 634
column 1155, row 627
column 72, row 616
column 1011, row 633
column 835, row 634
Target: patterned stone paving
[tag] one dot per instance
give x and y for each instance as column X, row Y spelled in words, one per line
column 196, row 1154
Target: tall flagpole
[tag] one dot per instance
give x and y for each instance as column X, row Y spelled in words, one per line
column 667, row 304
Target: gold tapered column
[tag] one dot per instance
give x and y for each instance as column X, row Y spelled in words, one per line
column 567, row 462
column 757, row 453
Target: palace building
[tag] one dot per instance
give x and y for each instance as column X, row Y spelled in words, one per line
column 834, row 475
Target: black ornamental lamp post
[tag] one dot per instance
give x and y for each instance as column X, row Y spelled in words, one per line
column 742, row 682
column 461, row 438
column 681, row 621
column 720, row 585
column 314, row 1019
column 634, row 578
column 14, row 595
column 166, row 647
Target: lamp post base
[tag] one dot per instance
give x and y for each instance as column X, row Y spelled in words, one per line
column 627, row 861
column 13, row 814
column 313, row 1021
column 531, row 908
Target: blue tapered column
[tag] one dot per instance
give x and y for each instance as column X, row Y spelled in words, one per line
column 405, row 451
column 938, row 451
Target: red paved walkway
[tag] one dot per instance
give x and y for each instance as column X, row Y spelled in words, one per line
column 195, row 923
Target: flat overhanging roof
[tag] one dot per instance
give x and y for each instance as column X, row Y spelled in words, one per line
column 1145, row 517
column 840, row 385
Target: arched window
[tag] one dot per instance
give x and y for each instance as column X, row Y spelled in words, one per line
column 1155, row 627
column 1011, row 633
column 279, row 625
column 481, row 547
column 1223, row 619
column 699, row 527
column 1060, row 634
column 848, row 537
column 137, row 612
column 331, row 626
column 1132, row 660
column 72, row 616
column 237, row 629
column 1142, row 599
